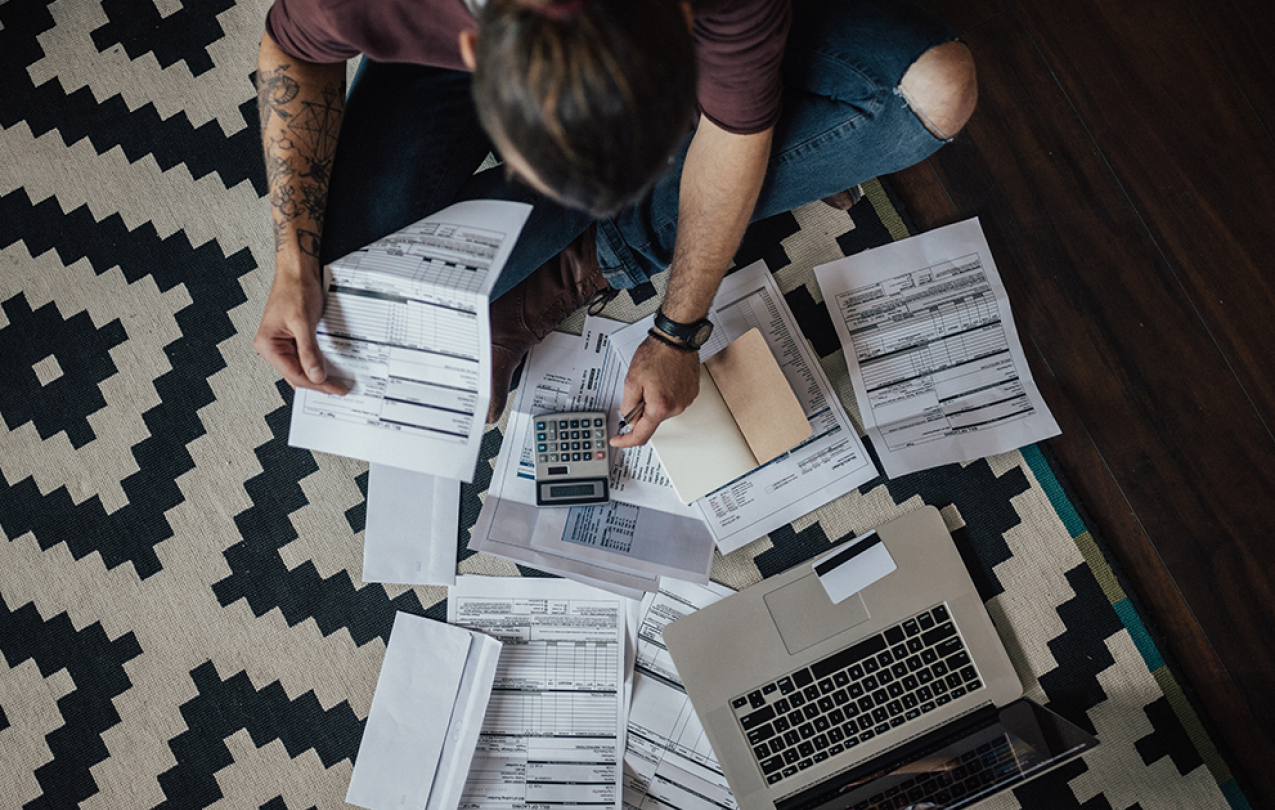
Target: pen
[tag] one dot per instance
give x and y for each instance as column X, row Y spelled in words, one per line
column 626, row 421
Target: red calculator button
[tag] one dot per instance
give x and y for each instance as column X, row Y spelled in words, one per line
column 601, row 454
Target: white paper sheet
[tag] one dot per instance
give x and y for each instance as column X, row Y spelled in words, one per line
column 554, row 729
column 937, row 367
column 668, row 761
column 426, row 714
column 406, row 327
column 615, row 544
column 831, row 463
column 413, row 520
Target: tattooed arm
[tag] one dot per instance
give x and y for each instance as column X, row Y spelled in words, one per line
column 300, row 104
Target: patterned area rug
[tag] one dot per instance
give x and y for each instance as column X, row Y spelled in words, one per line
column 182, row 620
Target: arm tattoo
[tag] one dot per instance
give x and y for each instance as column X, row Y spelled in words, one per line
column 274, row 92
column 300, row 136
column 309, row 242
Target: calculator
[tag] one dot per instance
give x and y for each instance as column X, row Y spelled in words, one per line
column 573, row 463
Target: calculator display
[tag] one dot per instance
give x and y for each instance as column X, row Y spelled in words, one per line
column 572, row 491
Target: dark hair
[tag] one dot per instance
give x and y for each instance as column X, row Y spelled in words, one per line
column 593, row 94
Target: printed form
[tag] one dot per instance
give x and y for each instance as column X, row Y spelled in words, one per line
column 827, row 465
column 930, row 343
column 553, row 733
column 406, row 328
column 668, row 761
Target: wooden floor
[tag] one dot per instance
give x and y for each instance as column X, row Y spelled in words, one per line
column 1121, row 161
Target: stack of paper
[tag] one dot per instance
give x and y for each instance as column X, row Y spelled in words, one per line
column 668, row 761
column 406, row 328
column 829, row 464
column 554, row 731
column 623, row 546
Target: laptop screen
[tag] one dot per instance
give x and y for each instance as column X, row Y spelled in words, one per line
column 955, row 765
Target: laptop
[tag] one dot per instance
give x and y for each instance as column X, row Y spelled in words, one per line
column 900, row 695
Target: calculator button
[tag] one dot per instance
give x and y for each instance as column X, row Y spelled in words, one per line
column 597, row 434
column 540, row 437
column 597, row 423
column 575, row 423
column 544, row 459
column 601, row 454
column 575, row 445
column 575, row 434
column 540, row 426
column 541, row 448
column 553, row 457
column 575, row 456
column 586, row 446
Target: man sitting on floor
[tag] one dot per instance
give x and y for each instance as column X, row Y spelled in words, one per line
column 647, row 134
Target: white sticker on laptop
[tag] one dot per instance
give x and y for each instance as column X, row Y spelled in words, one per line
column 853, row 567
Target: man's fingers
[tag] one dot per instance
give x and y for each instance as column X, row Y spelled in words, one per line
column 282, row 353
column 310, row 359
column 653, row 413
column 311, row 362
column 631, row 399
column 642, row 431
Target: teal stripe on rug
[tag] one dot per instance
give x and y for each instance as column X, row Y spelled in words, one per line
column 1062, row 504
column 1138, row 631
column 1234, row 796
column 1133, row 624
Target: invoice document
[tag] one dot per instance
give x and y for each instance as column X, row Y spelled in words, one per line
column 929, row 339
column 554, row 729
column 668, row 761
column 406, row 328
column 829, row 464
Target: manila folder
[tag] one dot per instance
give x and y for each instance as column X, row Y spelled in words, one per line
column 759, row 396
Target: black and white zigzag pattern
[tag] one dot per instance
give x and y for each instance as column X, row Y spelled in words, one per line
column 181, row 616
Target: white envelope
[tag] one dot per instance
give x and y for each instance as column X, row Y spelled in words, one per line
column 426, row 714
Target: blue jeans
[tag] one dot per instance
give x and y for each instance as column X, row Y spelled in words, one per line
column 411, row 142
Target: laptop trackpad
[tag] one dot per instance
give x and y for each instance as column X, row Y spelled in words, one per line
column 805, row 616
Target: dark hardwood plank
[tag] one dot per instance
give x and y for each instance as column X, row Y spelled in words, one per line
column 1166, row 445
column 1240, row 33
column 1196, row 165
column 1189, row 151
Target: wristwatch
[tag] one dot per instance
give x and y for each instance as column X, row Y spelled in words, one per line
column 694, row 334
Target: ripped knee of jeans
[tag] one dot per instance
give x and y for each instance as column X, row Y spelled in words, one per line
column 941, row 88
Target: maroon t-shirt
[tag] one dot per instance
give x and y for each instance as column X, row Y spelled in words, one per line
column 738, row 44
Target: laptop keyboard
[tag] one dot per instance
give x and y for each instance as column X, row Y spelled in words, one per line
column 881, row 683
column 951, row 781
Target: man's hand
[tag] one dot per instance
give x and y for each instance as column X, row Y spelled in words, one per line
column 665, row 380
column 286, row 336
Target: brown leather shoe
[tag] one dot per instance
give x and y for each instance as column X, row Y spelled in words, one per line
column 844, row 200
column 523, row 316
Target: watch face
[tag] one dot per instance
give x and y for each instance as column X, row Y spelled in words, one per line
column 702, row 334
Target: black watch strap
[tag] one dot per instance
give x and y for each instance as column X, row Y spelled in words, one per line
column 681, row 347
column 694, row 334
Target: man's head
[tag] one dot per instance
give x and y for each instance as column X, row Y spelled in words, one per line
column 592, row 96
